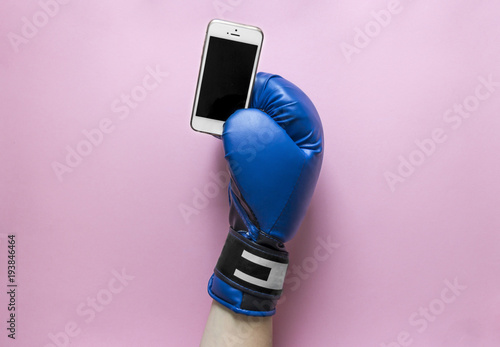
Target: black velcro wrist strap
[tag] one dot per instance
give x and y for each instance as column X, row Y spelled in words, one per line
column 251, row 267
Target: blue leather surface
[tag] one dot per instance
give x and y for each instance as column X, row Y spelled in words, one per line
column 275, row 155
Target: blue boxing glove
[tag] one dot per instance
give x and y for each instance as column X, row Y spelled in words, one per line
column 274, row 150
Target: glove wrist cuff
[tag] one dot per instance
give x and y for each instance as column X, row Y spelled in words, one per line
column 248, row 277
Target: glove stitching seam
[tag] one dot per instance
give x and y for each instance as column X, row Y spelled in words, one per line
column 241, row 210
column 284, row 256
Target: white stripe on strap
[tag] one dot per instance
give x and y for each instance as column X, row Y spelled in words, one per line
column 276, row 276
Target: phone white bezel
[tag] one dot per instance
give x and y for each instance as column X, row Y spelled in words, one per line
column 234, row 32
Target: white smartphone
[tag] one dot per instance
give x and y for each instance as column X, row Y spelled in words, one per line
column 227, row 72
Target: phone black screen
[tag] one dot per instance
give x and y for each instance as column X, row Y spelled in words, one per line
column 226, row 78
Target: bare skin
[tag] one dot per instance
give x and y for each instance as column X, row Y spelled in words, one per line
column 226, row 328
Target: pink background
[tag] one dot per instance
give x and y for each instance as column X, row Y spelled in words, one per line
column 119, row 208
